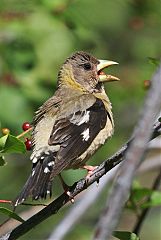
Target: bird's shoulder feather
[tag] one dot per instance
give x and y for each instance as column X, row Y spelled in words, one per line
column 51, row 104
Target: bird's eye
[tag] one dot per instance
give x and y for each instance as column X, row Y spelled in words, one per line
column 87, row 66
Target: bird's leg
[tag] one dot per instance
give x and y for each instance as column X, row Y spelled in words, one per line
column 90, row 170
column 66, row 188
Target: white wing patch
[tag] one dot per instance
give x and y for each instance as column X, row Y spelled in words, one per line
column 51, row 163
column 46, row 170
column 85, row 134
column 33, row 172
column 81, row 118
column 84, row 119
column 34, row 159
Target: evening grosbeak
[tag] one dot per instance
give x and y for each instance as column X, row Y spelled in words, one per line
column 70, row 126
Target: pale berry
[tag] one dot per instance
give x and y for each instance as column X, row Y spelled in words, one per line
column 147, row 84
column 5, row 131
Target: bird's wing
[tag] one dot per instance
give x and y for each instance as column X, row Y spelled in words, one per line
column 75, row 133
column 51, row 103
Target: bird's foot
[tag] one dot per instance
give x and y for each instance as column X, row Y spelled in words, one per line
column 66, row 188
column 90, row 170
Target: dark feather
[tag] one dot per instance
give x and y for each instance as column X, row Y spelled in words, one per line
column 69, row 135
column 39, row 183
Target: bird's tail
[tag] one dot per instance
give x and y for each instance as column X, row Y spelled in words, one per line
column 39, row 184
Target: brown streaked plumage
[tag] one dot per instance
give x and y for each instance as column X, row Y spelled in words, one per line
column 71, row 125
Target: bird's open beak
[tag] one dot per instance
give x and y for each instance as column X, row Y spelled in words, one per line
column 103, row 77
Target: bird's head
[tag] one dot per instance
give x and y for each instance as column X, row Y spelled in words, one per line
column 83, row 72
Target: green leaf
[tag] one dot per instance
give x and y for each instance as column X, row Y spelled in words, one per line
column 3, row 141
column 2, row 161
column 125, row 235
column 140, row 193
column 12, row 145
column 11, row 214
column 154, row 201
column 154, row 61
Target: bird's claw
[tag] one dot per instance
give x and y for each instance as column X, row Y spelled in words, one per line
column 90, row 170
column 69, row 194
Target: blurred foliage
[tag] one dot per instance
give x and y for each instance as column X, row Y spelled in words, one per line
column 126, row 235
column 142, row 197
column 10, row 214
column 35, row 39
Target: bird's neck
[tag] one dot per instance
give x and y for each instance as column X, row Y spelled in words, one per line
column 66, row 80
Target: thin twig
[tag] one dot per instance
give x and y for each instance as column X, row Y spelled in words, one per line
column 119, row 194
column 25, row 132
column 144, row 213
column 5, row 201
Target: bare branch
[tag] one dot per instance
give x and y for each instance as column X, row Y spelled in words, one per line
column 77, row 187
column 133, row 158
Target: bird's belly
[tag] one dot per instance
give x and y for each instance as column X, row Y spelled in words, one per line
column 97, row 142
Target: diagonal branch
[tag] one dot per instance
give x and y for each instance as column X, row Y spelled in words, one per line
column 133, row 158
column 77, row 187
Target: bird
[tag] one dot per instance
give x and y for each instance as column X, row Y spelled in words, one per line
column 71, row 125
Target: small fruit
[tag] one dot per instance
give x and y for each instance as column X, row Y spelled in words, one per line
column 5, row 131
column 147, row 84
column 136, row 23
column 28, row 144
column 26, row 126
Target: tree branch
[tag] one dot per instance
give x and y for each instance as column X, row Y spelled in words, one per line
column 133, row 158
column 75, row 189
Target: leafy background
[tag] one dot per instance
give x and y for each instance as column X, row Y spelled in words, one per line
column 35, row 39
